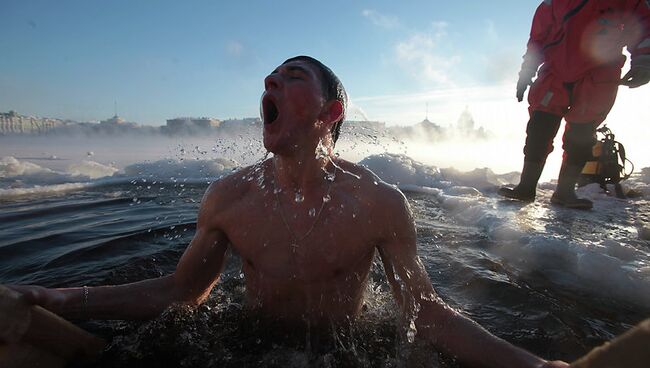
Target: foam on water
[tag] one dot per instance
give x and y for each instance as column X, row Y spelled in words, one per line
column 613, row 262
column 186, row 170
column 11, row 167
column 8, row 194
column 19, row 178
column 91, row 170
column 402, row 170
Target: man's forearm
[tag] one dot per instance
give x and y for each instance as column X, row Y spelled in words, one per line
column 532, row 59
column 470, row 343
column 140, row 300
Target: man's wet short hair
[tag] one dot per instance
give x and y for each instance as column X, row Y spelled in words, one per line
column 332, row 89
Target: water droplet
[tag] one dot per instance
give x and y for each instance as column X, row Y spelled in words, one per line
column 260, row 181
column 327, row 198
column 299, row 197
column 412, row 331
column 312, row 212
column 428, row 296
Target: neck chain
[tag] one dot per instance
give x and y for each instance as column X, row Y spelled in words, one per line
column 297, row 240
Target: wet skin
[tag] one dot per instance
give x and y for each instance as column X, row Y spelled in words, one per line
column 321, row 278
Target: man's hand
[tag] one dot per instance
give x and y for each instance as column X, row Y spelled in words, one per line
column 50, row 299
column 636, row 77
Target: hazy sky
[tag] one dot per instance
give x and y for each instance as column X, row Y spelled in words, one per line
column 162, row 59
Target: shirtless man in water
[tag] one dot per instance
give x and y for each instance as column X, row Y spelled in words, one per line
column 306, row 225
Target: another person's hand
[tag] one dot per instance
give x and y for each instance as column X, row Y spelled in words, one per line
column 636, row 77
column 50, row 299
column 522, row 85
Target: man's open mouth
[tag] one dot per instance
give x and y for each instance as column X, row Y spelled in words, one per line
column 269, row 110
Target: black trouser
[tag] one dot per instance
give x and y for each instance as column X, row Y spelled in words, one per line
column 577, row 141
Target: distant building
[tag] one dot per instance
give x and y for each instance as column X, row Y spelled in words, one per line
column 13, row 123
column 465, row 121
column 238, row 123
column 190, row 125
column 429, row 127
column 465, row 127
column 115, row 120
column 245, row 126
column 425, row 130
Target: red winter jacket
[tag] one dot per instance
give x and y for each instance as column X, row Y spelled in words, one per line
column 573, row 36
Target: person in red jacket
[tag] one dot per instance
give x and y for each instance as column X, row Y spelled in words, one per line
column 579, row 45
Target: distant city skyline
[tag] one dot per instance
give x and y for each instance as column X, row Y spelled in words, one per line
column 13, row 124
column 163, row 59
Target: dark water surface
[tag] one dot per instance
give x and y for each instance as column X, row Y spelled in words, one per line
column 115, row 234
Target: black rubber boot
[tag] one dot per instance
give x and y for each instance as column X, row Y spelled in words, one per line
column 526, row 189
column 565, row 192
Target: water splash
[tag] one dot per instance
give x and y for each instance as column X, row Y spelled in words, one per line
column 322, row 151
column 411, row 332
column 299, row 198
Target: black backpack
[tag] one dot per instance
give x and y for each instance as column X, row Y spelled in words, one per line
column 608, row 164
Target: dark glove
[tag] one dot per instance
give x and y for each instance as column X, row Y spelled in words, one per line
column 636, row 77
column 528, row 72
column 526, row 75
column 522, row 85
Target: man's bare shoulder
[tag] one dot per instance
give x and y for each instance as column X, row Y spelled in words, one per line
column 230, row 189
column 370, row 187
column 386, row 206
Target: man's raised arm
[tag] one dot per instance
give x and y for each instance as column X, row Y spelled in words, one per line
column 434, row 320
column 196, row 273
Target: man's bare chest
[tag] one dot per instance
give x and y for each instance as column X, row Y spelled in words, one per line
column 302, row 241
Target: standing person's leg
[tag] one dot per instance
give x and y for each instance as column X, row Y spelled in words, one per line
column 578, row 140
column 540, row 132
column 548, row 101
column 592, row 99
